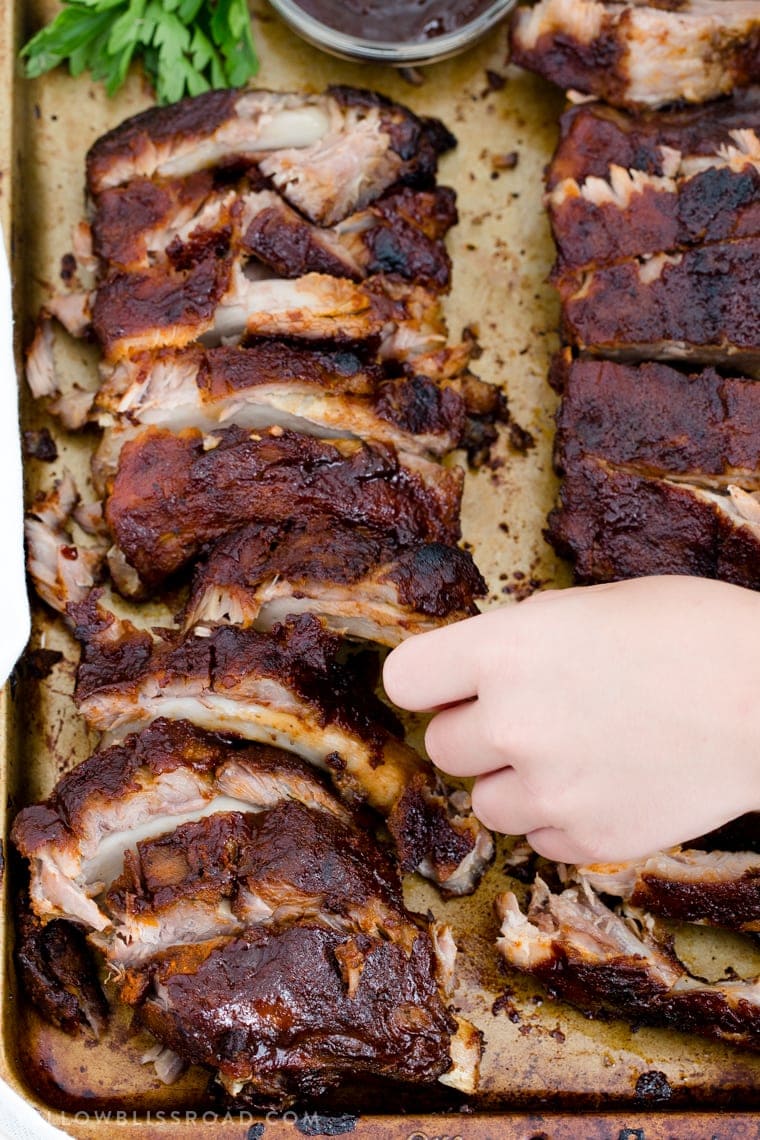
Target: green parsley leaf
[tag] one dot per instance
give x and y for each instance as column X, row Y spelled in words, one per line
column 186, row 46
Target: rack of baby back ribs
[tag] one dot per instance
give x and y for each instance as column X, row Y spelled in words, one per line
column 276, row 395
column 654, row 203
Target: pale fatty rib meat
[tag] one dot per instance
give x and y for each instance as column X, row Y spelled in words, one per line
column 175, row 849
column 360, row 581
column 640, row 55
column 178, row 221
column 702, row 304
column 595, row 136
column 172, row 493
column 285, row 687
column 328, row 155
column 602, row 963
column 716, row 888
column 63, row 572
column 325, row 391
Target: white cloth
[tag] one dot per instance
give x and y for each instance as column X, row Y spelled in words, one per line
column 18, row 1120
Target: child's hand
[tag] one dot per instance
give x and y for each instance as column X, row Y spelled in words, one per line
column 607, row 722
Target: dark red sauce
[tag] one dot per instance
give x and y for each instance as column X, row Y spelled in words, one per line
column 395, row 21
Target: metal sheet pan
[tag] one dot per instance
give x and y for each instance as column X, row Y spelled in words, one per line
column 547, row 1070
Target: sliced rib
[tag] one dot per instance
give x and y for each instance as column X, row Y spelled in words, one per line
column 630, row 213
column 327, row 154
column 702, row 304
column 360, row 582
column 219, row 301
column 322, row 391
column 272, row 1013
column 232, row 870
column 585, row 953
column 178, row 222
column 173, row 493
column 595, row 136
column 650, row 419
column 146, row 785
column 62, row 571
column 288, row 688
column 718, row 888
column 635, row 54
column 616, row 524
column 175, row 846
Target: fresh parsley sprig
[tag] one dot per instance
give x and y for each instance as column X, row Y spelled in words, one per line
column 187, row 46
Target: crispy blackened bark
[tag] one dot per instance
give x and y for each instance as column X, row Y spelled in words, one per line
column 634, row 55
column 616, row 524
column 702, row 304
column 58, row 972
column 436, row 833
column 654, row 420
column 401, row 233
column 126, row 218
column 742, row 834
column 172, row 493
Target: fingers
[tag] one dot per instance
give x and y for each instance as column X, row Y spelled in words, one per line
column 555, row 844
column 436, row 669
column 501, row 801
column 456, row 743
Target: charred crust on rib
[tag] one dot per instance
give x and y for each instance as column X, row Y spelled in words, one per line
column 171, row 495
column 365, row 1033
column 58, row 973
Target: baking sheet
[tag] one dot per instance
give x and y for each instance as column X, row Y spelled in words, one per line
column 540, row 1055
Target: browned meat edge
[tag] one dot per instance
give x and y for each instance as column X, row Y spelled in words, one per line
column 706, row 304
column 658, row 421
column 614, row 524
column 593, row 136
column 171, row 495
column 296, row 1031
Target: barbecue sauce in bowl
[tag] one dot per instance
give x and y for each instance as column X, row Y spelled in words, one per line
column 386, row 21
column 398, row 32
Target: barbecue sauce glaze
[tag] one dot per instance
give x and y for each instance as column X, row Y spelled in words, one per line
column 396, row 21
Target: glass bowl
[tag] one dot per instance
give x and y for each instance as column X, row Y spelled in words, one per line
column 407, row 53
